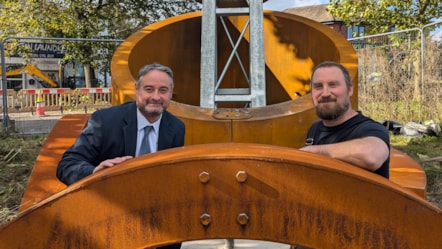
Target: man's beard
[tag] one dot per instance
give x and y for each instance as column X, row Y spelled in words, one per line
column 327, row 112
column 144, row 110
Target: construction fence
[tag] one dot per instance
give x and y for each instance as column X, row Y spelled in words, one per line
column 58, row 99
column 400, row 74
column 36, row 111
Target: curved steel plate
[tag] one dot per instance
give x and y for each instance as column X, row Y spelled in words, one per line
column 229, row 190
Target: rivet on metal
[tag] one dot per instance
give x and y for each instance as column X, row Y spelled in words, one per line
column 205, row 219
column 242, row 219
column 241, row 176
column 204, row 177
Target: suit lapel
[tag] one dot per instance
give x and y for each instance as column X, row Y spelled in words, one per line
column 165, row 134
column 130, row 131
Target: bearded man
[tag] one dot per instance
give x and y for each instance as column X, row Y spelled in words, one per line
column 344, row 133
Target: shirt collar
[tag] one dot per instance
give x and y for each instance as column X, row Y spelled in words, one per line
column 142, row 122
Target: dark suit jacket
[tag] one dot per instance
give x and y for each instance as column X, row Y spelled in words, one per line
column 111, row 133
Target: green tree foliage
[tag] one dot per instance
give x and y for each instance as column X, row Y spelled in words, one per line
column 86, row 19
column 382, row 14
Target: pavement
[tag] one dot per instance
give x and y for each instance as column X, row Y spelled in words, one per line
column 29, row 123
column 239, row 243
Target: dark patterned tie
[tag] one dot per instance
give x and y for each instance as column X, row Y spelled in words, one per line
column 145, row 148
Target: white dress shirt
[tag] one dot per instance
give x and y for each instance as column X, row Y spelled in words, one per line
column 153, row 135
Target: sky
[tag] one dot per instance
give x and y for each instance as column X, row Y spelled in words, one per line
column 281, row 5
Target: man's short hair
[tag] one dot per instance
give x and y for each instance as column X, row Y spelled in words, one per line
column 154, row 66
column 334, row 64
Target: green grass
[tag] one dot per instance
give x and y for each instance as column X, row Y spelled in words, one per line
column 17, row 158
column 421, row 149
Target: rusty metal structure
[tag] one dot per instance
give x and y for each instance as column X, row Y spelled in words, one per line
column 239, row 174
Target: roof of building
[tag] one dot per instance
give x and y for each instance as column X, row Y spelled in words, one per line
column 318, row 13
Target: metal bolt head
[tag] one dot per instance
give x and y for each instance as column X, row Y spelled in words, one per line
column 205, row 219
column 242, row 219
column 241, row 176
column 204, row 177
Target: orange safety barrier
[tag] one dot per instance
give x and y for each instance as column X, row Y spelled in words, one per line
column 56, row 98
column 229, row 190
column 12, row 99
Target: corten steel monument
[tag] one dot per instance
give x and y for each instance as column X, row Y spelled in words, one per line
column 239, row 174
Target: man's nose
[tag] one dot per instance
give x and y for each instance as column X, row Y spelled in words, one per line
column 325, row 91
column 156, row 94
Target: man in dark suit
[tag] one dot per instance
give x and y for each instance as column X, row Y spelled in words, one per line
column 117, row 134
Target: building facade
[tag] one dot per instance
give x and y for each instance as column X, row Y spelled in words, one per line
column 320, row 14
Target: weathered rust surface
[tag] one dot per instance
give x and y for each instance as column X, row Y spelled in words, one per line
column 408, row 173
column 253, row 191
column 292, row 46
column 230, row 175
column 289, row 59
column 42, row 182
column 284, row 122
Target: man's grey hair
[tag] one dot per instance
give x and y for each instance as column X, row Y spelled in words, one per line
column 154, row 66
column 334, row 64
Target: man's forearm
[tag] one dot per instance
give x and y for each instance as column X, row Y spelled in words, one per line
column 368, row 153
